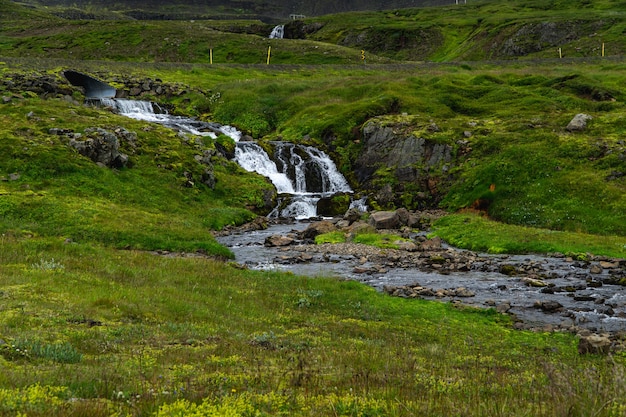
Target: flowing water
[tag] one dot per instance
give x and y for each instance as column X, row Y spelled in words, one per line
column 301, row 174
column 601, row 308
column 278, row 32
column 306, row 174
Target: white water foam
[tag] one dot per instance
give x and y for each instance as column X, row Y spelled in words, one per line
column 304, row 172
column 278, row 32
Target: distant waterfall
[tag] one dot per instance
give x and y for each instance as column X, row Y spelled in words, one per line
column 278, row 32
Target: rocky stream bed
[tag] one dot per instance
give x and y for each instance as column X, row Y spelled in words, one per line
column 543, row 293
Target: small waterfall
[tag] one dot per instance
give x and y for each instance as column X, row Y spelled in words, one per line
column 278, row 32
column 253, row 158
column 304, row 173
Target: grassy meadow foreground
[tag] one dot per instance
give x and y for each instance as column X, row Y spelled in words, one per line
column 93, row 331
column 115, row 299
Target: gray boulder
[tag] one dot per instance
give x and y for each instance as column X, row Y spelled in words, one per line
column 102, row 147
column 578, row 123
column 385, row 220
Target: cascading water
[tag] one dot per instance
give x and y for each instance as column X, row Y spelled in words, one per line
column 152, row 112
column 278, row 32
column 304, row 173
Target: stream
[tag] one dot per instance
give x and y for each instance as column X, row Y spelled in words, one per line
column 545, row 293
column 575, row 297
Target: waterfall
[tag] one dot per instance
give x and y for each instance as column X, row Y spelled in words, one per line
column 253, row 158
column 278, row 32
column 304, row 173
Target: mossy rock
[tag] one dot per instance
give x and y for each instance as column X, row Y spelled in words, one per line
column 336, row 205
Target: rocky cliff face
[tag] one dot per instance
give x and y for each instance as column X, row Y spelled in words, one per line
column 399, row 167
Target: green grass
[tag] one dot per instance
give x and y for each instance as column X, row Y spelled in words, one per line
column 129, row 332
column 144, row 206
column 475, row 232
column 93, row 324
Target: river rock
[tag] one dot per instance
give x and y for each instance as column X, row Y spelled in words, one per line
column 359, row 227
column 352, row 215
column 433, row 244
column 609, row 264
column 403, row 216
column 595, row 269
column 503, row 307
column 594, row 344
column 507, row 269
column 384, row 220
column 549, row 306
column 407, row 246
column 534, row 282
column 318, row 228
column 278, row 240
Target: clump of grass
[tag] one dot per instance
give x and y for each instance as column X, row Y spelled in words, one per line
column 48, row 265
column 34, row 349
column 331, row 237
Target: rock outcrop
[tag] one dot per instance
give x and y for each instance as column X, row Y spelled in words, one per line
column 103, row 146
column 394, row 148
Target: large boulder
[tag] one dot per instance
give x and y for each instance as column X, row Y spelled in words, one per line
column 317, row 228
column 578, row 123
column 385, row 220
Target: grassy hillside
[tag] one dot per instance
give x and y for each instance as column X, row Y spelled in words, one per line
column 112, row 301
column 48, row 189
column 476, row 31
column 268, row 10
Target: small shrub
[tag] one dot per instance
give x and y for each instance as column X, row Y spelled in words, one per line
column 48, row 265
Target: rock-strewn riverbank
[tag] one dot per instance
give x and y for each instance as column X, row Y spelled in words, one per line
column 546, row 293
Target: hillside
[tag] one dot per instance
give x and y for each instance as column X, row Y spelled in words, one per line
column 477, row 31
column 497, row 112
column 116, row 299
column 267, row 10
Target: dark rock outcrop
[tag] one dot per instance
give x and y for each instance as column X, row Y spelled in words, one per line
column 103, row 146
column 398, row 167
